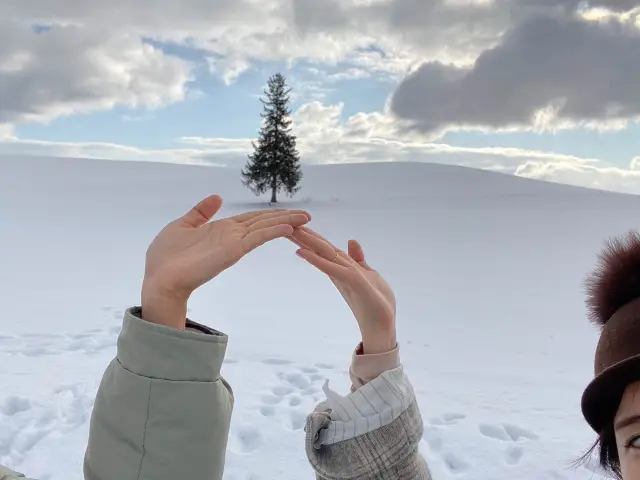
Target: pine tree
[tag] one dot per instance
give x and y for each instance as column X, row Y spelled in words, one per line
column 275, row 162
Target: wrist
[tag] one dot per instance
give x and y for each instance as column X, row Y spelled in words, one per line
column 163, row 308
column 378, row 343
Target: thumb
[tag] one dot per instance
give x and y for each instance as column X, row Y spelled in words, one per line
column 355, row 251
column 357, row 254
column 202, row 212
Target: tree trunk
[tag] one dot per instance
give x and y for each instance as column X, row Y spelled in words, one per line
column 273, row 191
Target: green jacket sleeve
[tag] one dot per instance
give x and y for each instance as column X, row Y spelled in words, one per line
column 162, row 411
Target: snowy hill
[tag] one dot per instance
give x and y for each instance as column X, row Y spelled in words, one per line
column 487, row 268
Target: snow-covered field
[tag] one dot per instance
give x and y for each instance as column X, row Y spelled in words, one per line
column 487, row 269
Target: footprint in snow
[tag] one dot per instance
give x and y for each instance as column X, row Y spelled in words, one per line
column 271, row 399
column 282, row 390
column 506, row 432
column 44, row 344
column 297, row 380
column 277, row 361
column 448, row 419
column 14, row 405
column 455, row 464
column 325, row 366
column 514, row 436
column 510, row 433
column 513, row 455
column 250, row 438
column 25, row 422
column 295, row 388
column 308, row 369
column 267, row 411
column 434, row 437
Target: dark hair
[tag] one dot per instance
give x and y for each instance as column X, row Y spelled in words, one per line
column 607, row 450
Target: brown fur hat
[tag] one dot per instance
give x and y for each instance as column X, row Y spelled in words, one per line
column 616, row 279
column 613, row 302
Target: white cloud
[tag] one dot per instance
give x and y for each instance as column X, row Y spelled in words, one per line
column 70, row 70
column 102, row 42
column 323, row 137
column 547, row 73
column 585, row 174
column 138, row 118
column 237, row 33
column 6, row 132
column 111, row 151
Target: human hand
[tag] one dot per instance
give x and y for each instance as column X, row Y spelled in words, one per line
column 368, row 295
column 189, row 252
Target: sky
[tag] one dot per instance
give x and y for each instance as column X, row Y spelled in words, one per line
column 545, row 89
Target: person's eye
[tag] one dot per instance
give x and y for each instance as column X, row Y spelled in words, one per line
column 633, row 442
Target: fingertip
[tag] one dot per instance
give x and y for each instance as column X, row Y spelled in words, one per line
column 300, row 218
column 202, row 212
column 301, row 212
column 214, row 199
column 213, row 203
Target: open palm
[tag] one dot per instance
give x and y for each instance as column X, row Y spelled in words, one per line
column 189, row 252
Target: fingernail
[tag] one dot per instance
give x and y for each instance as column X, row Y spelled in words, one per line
column 299, row 253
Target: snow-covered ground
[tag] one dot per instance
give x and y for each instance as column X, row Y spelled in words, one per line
column 487, row 269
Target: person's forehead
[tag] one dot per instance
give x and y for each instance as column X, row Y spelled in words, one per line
column 630, row 402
